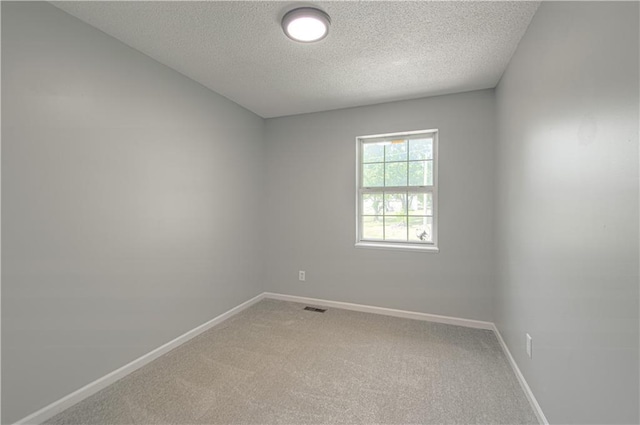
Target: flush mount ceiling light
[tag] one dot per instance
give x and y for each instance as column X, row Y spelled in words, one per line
column 306, row 24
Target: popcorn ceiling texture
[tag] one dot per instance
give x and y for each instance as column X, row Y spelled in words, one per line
column 275, row 363
column 375, row 52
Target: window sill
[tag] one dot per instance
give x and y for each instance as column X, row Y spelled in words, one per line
column 398, row 247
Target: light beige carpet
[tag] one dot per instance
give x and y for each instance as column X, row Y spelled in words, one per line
column 275, row 363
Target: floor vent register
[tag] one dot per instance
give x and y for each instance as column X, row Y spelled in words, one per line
column 317, row 310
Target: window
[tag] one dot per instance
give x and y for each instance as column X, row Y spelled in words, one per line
column 397, row 193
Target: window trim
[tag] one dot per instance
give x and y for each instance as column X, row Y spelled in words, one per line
column 400, row 245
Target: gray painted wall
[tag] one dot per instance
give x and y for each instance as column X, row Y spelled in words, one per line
column 130, row 199
column 567, row 210
column 311, row 208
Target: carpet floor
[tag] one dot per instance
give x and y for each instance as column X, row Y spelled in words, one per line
column 276, row 363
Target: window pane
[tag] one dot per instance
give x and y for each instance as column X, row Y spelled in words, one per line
column 373, row 175
column 421, row 149
column 397, row 193
column 396, row 151
column 372, row 204
column 395, row 203
column 421, row 229
column 396, row 174
column 372, row 227
column 421, row 173
column 395, row 228
column 372, row 152
column 420, row 204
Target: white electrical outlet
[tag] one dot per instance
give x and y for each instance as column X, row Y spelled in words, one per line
column 301, row 276
column 529, row 343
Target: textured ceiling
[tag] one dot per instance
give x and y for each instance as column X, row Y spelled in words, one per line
column 375, row 52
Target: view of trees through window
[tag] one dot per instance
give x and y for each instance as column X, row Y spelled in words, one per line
column 396, row 198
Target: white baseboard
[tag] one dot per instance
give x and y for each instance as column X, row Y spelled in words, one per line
column 523, row 383
column 58, row 406
column 477, row 324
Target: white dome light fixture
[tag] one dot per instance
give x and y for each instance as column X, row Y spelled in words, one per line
column 306, row 24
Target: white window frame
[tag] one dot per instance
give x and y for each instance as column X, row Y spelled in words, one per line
column 431, row 246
